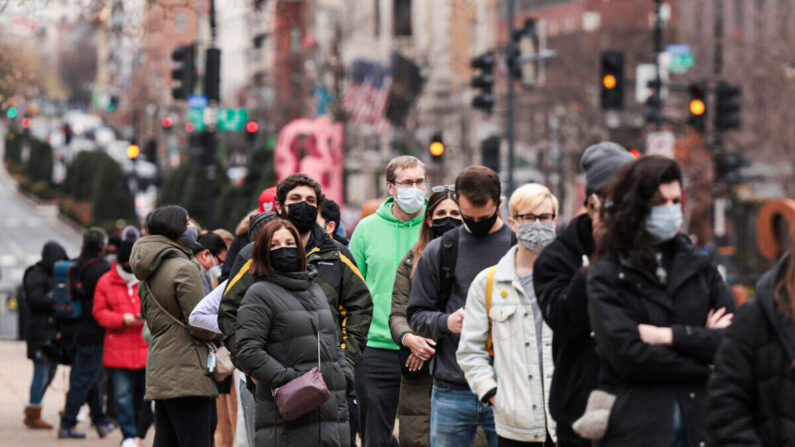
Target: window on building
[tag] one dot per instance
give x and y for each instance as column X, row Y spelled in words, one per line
column 402, row 16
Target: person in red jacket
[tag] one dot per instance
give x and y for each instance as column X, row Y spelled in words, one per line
column 117, row 308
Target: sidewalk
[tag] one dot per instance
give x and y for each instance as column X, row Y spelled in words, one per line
column 15, row 375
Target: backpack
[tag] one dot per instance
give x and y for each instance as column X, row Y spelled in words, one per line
column 67, row 291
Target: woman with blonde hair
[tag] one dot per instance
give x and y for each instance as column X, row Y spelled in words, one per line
column 505, row 349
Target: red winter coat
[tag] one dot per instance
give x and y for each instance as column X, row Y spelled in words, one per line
column 124, row 345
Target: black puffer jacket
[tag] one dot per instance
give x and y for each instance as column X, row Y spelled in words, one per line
column 277, row 341
column 559, row 282
column 85, row 330
column 648, row 379
column 752, row 391
column 42, row 327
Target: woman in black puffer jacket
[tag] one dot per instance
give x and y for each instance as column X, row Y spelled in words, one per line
column 279, row 322
column 752, row 391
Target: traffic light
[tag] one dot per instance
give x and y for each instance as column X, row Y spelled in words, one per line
column 184, row 71
column 12, row 112
column 133, row 151
column 483, row 81
column 697, row 105
column 730, row 167
column 612, row 80
column 212, row 74
column 436, row 147
column 727, row 106
column 490, row 153
column 252, row 127
column 167, row 123
column 113, row 104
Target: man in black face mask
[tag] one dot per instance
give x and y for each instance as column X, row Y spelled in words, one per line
column 435, row 309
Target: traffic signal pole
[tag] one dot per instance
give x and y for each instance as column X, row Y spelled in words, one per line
column 511, row 101
column 716, row 140
column 211, row 90
column 657, row 37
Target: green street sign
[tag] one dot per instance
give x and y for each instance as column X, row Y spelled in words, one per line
column 196, row 116
column 680, row 63
column 232, row 120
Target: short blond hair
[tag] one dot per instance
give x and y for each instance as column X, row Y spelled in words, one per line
column 530, row 195
column 401, row 162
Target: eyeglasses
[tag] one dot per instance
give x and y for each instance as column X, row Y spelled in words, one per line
column 419, row 183
column 440, row 188
column 530, row 217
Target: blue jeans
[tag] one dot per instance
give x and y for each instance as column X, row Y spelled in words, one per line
column 84, row 387
column 455, row 415
column 43, row 373
column 128, row 390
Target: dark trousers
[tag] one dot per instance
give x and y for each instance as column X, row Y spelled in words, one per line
column 503, row 442
column 353, row 416
column 134, row 414
column 185, row 422
column 84, row 386
column 378, row 392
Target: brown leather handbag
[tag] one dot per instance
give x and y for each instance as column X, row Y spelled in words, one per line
column 303, row 394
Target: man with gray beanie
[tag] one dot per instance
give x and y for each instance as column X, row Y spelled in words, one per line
column 560, row 274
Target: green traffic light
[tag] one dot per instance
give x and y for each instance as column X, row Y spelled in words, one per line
column 12, row 112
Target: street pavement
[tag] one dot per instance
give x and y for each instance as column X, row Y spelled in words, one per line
column 14, row 385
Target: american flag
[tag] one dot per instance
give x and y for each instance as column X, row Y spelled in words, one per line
column 368, row 94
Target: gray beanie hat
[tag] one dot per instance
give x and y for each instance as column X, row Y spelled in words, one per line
column 600, row 161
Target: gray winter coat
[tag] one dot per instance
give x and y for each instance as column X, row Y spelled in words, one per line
column 277, row 327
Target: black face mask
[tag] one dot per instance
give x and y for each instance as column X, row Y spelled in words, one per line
column 442, row 225
column 482, row 227
column 302, row 215
column 285, row 260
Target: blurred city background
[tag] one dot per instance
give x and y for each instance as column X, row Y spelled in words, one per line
column 110, row 107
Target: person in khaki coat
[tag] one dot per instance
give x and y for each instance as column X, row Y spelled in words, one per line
column 177, row 376
column 506, row 347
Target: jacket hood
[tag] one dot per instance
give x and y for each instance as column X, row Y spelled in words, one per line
column 51, row 253
column 385, row 212
column 578, row 235
column 149, row 252
column 765, row 292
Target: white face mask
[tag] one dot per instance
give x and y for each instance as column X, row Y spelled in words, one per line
column 410, row 200
column 664, row 221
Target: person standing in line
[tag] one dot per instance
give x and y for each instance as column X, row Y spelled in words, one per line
column 210, row 253
column 177, row 376
column 559, row 276
column 87, row 335
column 751, row 398
column 286, row 328
column 436, row 304
column 42, row 329
column 414, row 407
column 658, row 309
column 505, row 349
column 378, row 243
column 117, row 309
column 329, row 218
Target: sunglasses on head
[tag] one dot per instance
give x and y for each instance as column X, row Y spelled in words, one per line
column 440, row 188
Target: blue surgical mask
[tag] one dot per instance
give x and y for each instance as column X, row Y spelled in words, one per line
column 664, row 221
column 410, row 200
column 189, row 236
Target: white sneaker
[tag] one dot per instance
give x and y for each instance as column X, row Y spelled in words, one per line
column 82, row 415
column 129, row 442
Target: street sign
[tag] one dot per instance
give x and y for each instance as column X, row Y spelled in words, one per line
column 196, row 116
column 197, row 101
column 230, row 120
column 681, row 58
column 660, row 143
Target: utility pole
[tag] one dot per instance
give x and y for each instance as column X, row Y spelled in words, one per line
column 658, row 86
column 511, row 99
column 212, row 91
column 716, row 140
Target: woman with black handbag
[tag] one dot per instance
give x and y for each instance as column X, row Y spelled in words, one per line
column 287, row 343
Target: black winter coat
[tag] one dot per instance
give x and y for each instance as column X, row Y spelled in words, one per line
column 42, row 326
column 559, row 282
column 277, row 342
column 648, row 379
column 85, row 331
column 752, row 391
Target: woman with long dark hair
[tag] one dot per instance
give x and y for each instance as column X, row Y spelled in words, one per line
column 285, row 328
column 752, row 391
column 658, row 309
column 414, row 407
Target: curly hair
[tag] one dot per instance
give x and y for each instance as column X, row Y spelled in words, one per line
column 628, row 204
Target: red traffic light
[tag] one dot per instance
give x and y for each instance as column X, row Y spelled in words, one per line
column 167, row 122
column 252, row 127
column 189, row 127
column 635, row 153
column 26, row 123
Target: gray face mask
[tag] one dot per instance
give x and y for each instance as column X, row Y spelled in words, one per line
column 664, row 221
column 189, row 236
column 536, row 236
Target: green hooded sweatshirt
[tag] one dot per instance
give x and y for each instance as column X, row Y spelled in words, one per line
column 378, row 244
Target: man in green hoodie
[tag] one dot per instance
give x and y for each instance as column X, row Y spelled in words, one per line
column 378, row 244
